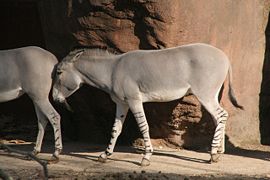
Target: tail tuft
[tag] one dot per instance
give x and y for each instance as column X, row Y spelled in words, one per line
column 231, row 93
column 233, row 99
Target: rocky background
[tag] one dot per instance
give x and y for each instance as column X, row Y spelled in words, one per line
column 236, row 27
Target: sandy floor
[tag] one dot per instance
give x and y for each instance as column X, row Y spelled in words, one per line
column 79, row 160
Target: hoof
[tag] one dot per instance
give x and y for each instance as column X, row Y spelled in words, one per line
column 27, row 158
column 34, row 152
column 221, row 150
column 54, row 159
column 215, row 158
column 145, row 162
column 102, row 159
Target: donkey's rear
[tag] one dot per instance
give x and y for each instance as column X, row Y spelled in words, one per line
column 29, row 70
column 165, row 75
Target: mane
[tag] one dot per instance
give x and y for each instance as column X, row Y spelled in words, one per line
column 93, row 53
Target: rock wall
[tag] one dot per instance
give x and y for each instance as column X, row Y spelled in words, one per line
column 236, row 27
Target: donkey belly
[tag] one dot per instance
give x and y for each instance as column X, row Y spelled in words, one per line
column 10, row 95
column 164, row 95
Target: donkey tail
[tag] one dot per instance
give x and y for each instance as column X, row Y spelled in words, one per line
column 231, row 92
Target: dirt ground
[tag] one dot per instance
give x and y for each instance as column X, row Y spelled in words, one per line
column 79, row 161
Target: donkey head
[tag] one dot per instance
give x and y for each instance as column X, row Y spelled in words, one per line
column 66, row 79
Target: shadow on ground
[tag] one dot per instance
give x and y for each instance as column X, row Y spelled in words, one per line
column 77, row 149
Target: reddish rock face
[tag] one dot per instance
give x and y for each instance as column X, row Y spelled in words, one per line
column 236, row 27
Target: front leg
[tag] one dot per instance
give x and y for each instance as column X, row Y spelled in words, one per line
column 121, row 112
column 138, row 112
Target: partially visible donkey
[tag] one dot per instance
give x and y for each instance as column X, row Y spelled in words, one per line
column 150, row 75
column 29, row 70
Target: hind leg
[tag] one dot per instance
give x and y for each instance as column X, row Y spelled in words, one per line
column 42, row 123
column 220, row 117
column 137, row 109
column 218, row 143
column 50, row 113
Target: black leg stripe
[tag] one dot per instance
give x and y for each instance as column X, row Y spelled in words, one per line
column 214, row 143
column 142, row 126
column 220, row 112
column 145, row 131
column 140, row 123
column 149, row 151
column 108, row 153
column 223, row 121
column 224, row 115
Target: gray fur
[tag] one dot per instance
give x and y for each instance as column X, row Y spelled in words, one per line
column 150, row 76
column 29, row 70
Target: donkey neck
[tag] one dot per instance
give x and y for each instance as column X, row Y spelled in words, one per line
column 97, row 72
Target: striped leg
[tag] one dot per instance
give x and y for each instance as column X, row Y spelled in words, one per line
column 54, row 118
column 138, row 112
column 218, row 143
column 42, row 123
column 220, row 117
column 121, row 112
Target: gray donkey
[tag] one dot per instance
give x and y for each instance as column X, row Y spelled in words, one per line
column 150, row 75
column 29, row 70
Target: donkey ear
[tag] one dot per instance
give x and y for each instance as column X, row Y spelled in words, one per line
column 77, row 55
